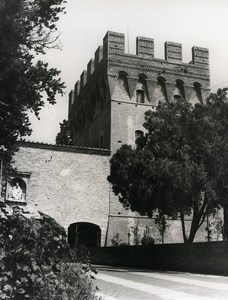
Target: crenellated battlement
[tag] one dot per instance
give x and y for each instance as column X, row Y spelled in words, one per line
column 114, row 47
column 107, row 104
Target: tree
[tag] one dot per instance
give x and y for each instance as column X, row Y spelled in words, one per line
column 27, row 29
column 218, row 110
column 63, row 137
column 36, row 261
column 180, row 167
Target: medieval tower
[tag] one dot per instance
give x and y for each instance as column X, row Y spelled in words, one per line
column 106, row 110
column 107, row 105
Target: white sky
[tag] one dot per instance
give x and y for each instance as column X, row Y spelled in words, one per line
column 201, row 23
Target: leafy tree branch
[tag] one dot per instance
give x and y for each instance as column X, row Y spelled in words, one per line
column 180, row 166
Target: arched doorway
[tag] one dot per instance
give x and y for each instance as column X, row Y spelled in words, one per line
column 83, row 233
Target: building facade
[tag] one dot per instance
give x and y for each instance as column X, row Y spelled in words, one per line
column 106, row 110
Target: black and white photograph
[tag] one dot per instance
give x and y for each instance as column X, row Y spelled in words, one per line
column 113, row 150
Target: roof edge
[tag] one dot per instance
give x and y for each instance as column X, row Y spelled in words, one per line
column 63, row 148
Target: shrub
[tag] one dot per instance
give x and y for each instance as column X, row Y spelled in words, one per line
column 136, row 235
column 147, row 239
column 115, row 241
column 71, row 283
column 36, row 261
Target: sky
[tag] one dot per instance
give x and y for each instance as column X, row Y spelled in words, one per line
column 202, row 23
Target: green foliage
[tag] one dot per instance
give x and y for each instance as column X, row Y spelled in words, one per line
column 215, row 226
column 147, row 239
column 36, row 261
column 71, row 283
column 63, row 137
column 27, row 28
column 136, row 235
column 161, row 222
column 181, row 166
column 116, row 241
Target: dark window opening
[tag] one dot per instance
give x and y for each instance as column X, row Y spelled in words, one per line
column 140, row 139
column 138, row 134
column 180, row 87
column 140, row 96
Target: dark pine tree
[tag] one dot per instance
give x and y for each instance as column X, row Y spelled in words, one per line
column 63, row 137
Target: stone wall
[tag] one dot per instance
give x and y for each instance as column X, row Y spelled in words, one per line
column 70, row 184
column 67, row 183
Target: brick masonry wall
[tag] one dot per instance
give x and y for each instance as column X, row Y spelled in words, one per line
column 70, row 187
column 99, row 127
column 126, row 118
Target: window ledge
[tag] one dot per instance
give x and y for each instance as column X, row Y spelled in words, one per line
column 14, row 202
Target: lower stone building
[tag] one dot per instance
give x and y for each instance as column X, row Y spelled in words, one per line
column 70, row 184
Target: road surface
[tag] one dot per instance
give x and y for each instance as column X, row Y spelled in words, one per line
column 129, row 284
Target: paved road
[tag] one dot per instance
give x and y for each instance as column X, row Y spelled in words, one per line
column 129, row 284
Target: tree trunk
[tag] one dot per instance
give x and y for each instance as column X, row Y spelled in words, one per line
column 197, row 222
column 191, row 236
column 183, row 228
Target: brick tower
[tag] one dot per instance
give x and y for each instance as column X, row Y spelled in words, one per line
column 107, row 105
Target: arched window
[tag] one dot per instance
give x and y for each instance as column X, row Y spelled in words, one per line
column 138, row 133
column 139, row 139
column 143, row 96
column 123, row 74
column 140, row 96
column 142, row 77
column 179, row 90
